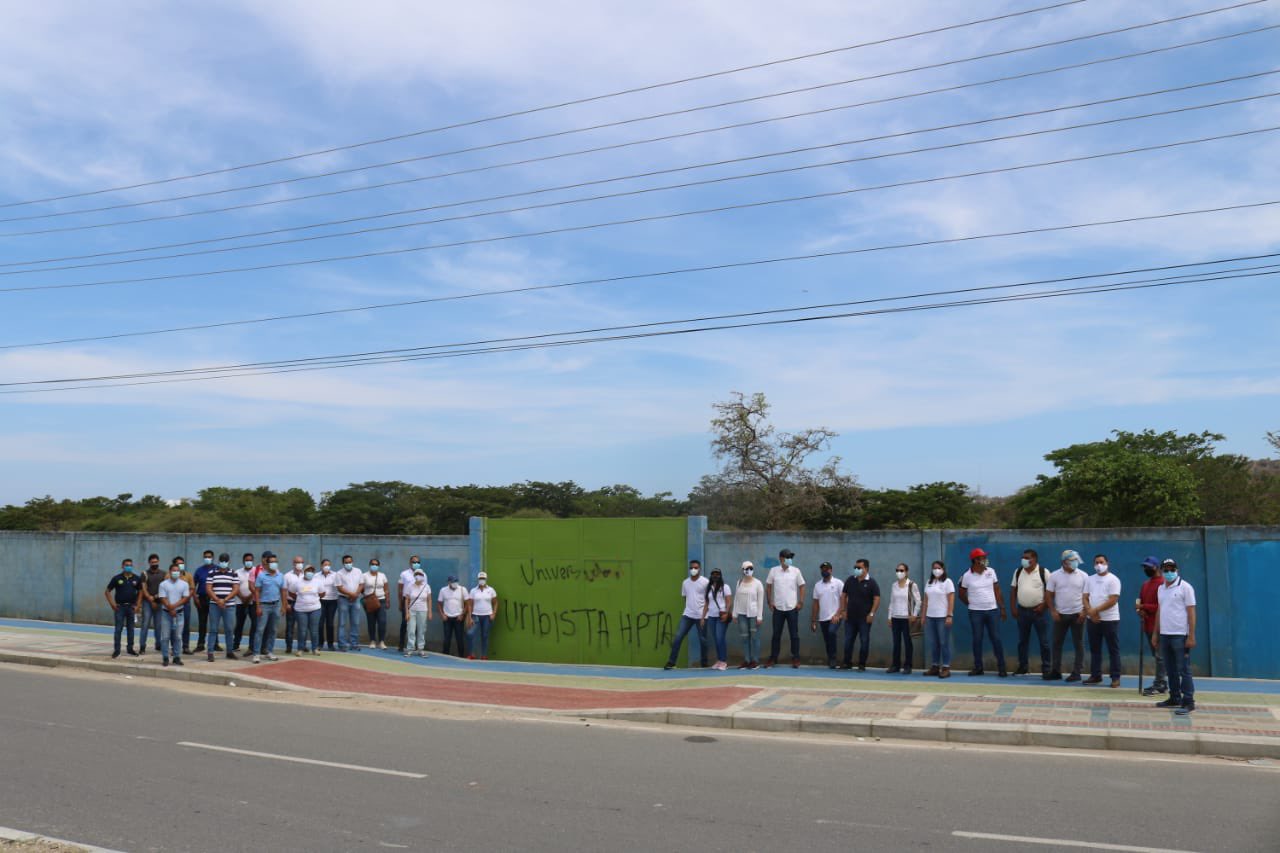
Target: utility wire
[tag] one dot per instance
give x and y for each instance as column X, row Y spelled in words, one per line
column 681, row 135
column 423, row 353
column 555, row 106
column 650, row 117
column 600, row 181
column 613, row 223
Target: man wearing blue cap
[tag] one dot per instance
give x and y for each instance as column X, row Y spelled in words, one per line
column 453, row 605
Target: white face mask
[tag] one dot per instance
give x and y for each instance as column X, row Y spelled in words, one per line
column 748, row 572
column 937, row 573
column 1026, row 564
column 1102, row 568
column 900, row 575
column 483, row 582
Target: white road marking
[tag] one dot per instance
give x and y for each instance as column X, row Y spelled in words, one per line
column 297, row 760
column 1062, row 842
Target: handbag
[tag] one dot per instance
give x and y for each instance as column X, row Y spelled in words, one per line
column 372, row 604
column 917, row 627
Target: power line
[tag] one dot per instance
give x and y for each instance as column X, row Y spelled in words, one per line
column 599, row 181
column 662, row 138
column 650, row 117
column 575, row 102
column 631, row 221
column 535, row 342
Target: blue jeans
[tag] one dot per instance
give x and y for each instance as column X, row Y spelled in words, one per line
column 830, row 632
column 349, row 624
column 480, row 627
column 1177, row 664
column 937, row 637
column 718, row 629
column 224, row 617
column 990, row 621
column 291, row 631
column 1100, row 632
column 171, row 629
column 264, row 639
column 1028, row 619
column 150, row 621
column 856, row 626
column 791, row 619
column 687, row 624
column 124, row 619
column 307, row 630
column 749, row 631
column 377, row 624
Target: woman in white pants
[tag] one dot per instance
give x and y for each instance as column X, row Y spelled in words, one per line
column 417, row 603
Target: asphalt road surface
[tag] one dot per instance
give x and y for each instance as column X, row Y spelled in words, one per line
column 135, row 766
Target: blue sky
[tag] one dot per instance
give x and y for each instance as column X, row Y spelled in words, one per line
column 91, row 98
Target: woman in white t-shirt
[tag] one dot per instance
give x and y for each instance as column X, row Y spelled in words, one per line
column 717, row 606
column 939, row 604
column 417, row 605
column 375, row 587
column 904, row 612
column 307, row 605
column 482, row 607
column 748, row 607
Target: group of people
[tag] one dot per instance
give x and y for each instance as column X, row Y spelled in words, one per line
column 320, row 608
column 1055, row 603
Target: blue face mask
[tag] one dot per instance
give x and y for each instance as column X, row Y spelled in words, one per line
column 308, row 575
column 857, row 571
column 415, row 565
column 1170, row 576
column 223, row 565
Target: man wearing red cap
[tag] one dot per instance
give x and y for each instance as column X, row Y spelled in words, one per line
column 980, row 590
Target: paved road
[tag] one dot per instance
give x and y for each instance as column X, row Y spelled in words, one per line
column 100, row 760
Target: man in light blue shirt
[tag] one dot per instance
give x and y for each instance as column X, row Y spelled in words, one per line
column 174, row 594
column 268, row 600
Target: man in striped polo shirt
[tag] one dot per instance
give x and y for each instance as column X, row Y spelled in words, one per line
column 222, row 588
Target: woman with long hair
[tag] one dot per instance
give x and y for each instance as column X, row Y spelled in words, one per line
column 717, row 605
column 939, row 605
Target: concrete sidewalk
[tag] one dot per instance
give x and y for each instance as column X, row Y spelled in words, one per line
column 1235, row 717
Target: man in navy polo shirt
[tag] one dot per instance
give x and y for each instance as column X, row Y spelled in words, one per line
column 201, row 595
column 127, row 589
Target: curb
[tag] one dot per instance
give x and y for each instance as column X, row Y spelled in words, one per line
column 1166, row 743
column 10, row 834
column 214, row 677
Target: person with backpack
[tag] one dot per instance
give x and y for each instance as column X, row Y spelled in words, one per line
column 904, row 612
column 717, row 605
column 939, row 605
column 1029, row 607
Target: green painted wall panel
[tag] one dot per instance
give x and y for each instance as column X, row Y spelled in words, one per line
column 589, row 591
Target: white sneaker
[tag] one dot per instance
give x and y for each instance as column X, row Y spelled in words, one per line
column 297, row 654
column 257, row 659
column 272, row 657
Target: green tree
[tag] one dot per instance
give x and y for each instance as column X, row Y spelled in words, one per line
column 928, row 505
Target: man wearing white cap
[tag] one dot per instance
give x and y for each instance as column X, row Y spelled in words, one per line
column 1065, row 592
column 482, row 607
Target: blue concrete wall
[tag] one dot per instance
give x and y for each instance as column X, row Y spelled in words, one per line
column 60, row 576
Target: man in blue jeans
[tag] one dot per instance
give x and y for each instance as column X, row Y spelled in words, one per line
column 784, row 591
column 980, row 590
column 1176, row 622
column 123, row 593
column 1029, row 607
column 859, row 602
column 350, row 587
column 268, row 598
column 150, row 619
column 174, row 595
column 693, row 590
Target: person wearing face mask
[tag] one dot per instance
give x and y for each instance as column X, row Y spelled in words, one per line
column 268, row 599
column 859, row 602
column 980, row 590
column 291, row 581
column 406, row 581
column 181, row 563
column 453, row 614
column 175, row 593
column 1029, row 608
column 200, row 583
column 127, row 589
column 246, row 575
column 222, row 588
column 694, row 591
column 827, row 593
column 748, row 607
column 306, row 608
column 417, row 603
column 1147, row 605
column 482, row 609
column 328, row 605
column 904, row 612
column 151, row 603
column 1102, row 609
column 1065, row 591
column 939, row 606
column 376, row 604
column 350, row 591
column 784, row 590
column 716, row 607
column 1176, row 622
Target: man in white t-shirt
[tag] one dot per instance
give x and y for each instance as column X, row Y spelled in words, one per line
column 350, row 587
column 784, row 590
column 826, row 611
column 693, row 590
column 1065, row 591
column 291, row 581
column 328, row 605
column 979, row 588
column 1029, row 608
column 1176, row 624
column 1102, row 609
column 482, row 607
column 453, row 613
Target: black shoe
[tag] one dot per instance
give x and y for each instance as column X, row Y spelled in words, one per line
column 132, row 653
column 846, row 666
column 1093, row 679
column 218, row 648
column 209, row 657
column 1003, row 673
column 862, row 668
column 832, row 666
column 906, row 670
column 1170, row 703
column 893, row 670
column 178, row 662
column 186, row 650
column 164, row 662
column 668, row 666
column 232, row 656
column 1155, row 689
column 1022, row 670
column 1053, row 676
column 1187, row 708
column 115, row 654
column 1075, row 676
column 199, row 648
column 143, row 650
column 976, row 672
